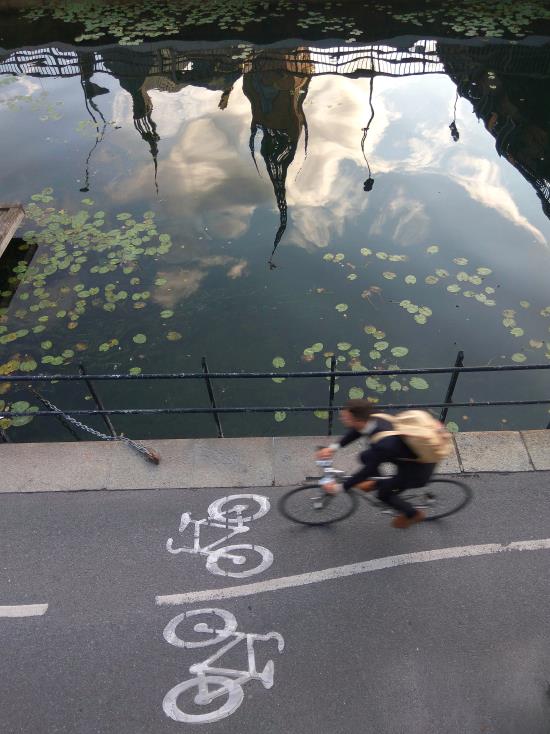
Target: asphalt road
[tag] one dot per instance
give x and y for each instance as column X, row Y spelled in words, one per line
column 452, row 646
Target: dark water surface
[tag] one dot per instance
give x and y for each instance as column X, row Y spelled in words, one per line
column 211, row 201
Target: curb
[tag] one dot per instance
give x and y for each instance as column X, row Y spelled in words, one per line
column 234, row 462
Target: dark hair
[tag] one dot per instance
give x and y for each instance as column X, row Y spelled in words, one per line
column 359, row 408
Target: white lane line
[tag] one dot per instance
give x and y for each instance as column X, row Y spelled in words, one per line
column 377, row 564
column 23, row 610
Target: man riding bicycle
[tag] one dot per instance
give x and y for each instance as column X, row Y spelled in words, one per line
column 357, row 415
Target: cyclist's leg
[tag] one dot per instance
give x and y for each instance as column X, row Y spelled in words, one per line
column 410, row 475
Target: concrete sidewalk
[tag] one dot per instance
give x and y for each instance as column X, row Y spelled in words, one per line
column 234, row 462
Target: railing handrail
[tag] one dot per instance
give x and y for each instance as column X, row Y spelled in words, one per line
column 266, row 375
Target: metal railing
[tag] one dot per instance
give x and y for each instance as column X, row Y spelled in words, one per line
column 216, row 410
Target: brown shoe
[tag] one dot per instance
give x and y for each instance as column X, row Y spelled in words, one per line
column 403, row 522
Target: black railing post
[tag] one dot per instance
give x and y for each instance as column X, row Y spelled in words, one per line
column 97, row 401
column 211, row 396
column 452, row 385
column 331, row 392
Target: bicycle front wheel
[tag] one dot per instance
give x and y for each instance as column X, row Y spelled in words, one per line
column 311, row 505
column 439, row 498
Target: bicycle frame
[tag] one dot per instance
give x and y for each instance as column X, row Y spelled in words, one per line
column 186, row 520
column 237, row 677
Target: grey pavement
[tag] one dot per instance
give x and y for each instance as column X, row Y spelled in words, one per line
column 443, row 647
column 233, row 462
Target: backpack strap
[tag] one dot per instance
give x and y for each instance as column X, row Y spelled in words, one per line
column 383, row 434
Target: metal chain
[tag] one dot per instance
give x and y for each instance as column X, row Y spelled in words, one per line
column 149, row 454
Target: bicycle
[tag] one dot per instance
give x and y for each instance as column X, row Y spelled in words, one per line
column 309, row 504
column 226, row 513
column 213, row 682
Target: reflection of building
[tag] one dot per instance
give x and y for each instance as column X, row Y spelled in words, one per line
column 508, row 91
column 277, row 100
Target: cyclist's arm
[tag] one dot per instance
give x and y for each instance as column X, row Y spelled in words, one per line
column 372, row 458
column 348, row 438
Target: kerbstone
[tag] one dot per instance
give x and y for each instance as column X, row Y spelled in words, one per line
column 538, row 446
column 492, row 451
column 233, row 462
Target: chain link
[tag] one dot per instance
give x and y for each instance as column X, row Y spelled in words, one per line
column 149, row 454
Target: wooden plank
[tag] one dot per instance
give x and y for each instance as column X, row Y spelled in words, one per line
column 11, row 216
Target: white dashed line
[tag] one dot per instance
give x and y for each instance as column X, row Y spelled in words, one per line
column 23, row 610
column 377, row 564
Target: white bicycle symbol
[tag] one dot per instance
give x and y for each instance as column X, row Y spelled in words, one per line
column 211, row 682
column 228, row 513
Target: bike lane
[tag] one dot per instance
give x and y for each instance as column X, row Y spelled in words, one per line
column 454, row 645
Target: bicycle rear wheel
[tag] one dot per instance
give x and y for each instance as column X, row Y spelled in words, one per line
column 439, row 498
column 311, row 505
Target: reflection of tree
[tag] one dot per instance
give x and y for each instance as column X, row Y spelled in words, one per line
column 277, row 99
column 514, row 105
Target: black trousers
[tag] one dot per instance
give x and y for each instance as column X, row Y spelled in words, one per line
column 410, row 473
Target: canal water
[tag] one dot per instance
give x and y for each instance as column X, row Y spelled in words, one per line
column 272, row 205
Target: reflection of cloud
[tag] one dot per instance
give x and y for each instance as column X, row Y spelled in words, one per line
column 329, row 189
column 427, row 148
column 237, row 270
column 407, row 217
column 174, row 109
column 180, row 284
column 208, row 172
column 481, row 179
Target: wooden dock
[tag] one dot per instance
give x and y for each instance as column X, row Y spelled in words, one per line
column 11, row 216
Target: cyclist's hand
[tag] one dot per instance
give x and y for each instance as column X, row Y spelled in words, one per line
column 332, row 488
column 325, row 453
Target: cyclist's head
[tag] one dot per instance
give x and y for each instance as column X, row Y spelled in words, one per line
column 356, row 413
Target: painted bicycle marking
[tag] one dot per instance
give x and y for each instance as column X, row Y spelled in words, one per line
column 214, row 683
column 229, row 514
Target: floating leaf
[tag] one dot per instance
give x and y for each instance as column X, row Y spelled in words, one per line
column 139, row 339
column 173, row 336
column 452, row 427
column 380, row 346
column 317, row 347
column 389, row 275
column 484, row 271
column 344, row 346
column 399, row 351
column 135, row 370
column 460, row 261
column 278, row 362
column 341, row 307
column 517, row 331
column 166, row 314
column 328, row 256
column 431, row 280
column 339, row 257
column 322, row 414
column 419, row 383
column 432, row 249
column 410, row 279
column 352, row 276
column 279, row 416
column 395, row 386
column 535, row 343
column 28, row 365
column 523, row 304
column 453, row 288
column 518, row 357
column 355, row 393
column 365, row 251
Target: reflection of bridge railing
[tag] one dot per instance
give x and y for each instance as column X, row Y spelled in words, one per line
column 424, row 57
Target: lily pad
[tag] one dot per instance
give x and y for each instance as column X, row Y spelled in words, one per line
column 139, row 339
column 278, row 362
column 279, row 416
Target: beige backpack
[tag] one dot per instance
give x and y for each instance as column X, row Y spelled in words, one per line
column 423, row 434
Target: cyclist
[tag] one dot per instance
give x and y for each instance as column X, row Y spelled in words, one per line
column 357, row 416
